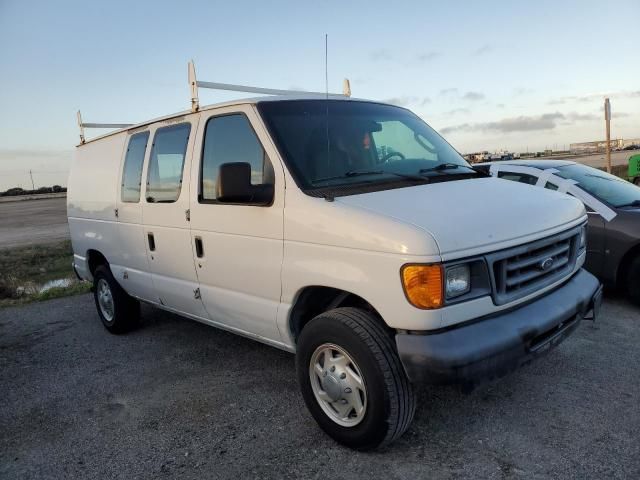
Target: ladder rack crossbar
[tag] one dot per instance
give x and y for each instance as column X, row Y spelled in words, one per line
column 194, row 84
column 107, row 125
column 265, row 91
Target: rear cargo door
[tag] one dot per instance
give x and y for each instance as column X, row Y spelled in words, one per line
column 132, row 268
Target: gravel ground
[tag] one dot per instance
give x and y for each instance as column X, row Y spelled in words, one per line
column 177, row 399
column 28, row 222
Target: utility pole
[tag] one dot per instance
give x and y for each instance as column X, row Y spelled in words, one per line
column 33, row 187
column 607, row 119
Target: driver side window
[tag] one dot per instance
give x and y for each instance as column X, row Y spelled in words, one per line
column 397, row 138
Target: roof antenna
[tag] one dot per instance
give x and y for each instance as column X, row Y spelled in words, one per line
column 328, row 198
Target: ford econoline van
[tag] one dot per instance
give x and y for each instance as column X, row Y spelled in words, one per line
column 345, row 231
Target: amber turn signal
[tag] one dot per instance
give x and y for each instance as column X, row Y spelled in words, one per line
column 423, row 285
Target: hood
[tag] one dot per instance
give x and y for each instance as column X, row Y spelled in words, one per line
column 473, row 216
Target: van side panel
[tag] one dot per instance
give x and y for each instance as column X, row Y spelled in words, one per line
column 91, row 197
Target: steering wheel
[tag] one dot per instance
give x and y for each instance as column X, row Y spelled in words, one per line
column 390, row 155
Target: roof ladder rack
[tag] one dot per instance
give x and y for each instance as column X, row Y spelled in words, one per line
column 83, row 125
column 194, row 84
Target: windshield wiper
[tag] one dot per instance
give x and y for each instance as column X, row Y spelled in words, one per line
column 635, row 203
column 358, row 173
column 446, row 166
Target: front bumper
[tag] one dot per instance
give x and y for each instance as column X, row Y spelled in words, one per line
column 490, row 347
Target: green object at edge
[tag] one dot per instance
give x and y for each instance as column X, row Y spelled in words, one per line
column 634, row 167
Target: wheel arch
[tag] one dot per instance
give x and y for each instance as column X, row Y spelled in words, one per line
column 95, row 258
column 623, row 265
column 311, row 301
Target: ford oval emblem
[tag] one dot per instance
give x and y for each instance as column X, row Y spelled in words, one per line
column 546, row 264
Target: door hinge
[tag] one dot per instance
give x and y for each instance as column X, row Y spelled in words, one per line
column 187, row 214
column 196, row 294
column 115, row 211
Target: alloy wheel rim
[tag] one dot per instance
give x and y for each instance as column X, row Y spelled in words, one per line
column 105, row 300
column 338, row 385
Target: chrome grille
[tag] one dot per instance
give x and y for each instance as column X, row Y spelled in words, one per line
column 520, row 271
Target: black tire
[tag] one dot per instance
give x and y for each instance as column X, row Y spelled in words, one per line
column 636, row 181
column 633, row 280
column 126, row 309
column 390, row 398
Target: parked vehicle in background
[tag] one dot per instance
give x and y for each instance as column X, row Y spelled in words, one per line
column 634, row 169
column 386, row 261
column 613, row 206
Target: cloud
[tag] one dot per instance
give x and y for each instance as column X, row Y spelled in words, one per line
column 482, row 50
column 454, row 92
column 381, row 55
column 522, row 91
column 457, row 111
column 473, row 96
column 546, row 121
column 406, row 100
column 427, row 56
column 448, row 91
column 594, row 96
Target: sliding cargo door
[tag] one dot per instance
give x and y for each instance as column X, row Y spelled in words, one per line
column 166, row 217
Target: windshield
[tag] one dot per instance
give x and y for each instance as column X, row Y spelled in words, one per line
column 613, row 190
column 330, row 143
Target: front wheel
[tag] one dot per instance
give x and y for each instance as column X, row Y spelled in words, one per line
column 352, row 380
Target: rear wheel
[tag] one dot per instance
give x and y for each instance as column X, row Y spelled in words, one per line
column 352, row 380
column 633, row 280
column 118, row 311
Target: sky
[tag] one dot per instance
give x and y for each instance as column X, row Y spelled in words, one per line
column 490, row 75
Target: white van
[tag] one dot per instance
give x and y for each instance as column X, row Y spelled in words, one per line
column 346, row 231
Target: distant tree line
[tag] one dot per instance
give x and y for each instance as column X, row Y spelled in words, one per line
column 12, row 192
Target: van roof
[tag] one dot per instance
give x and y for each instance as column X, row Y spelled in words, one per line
column 243, row 101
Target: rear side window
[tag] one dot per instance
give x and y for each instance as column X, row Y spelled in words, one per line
column 132, row 171
column 551, row 186
column 227, row 139
column 164, row 179
column 518, row 177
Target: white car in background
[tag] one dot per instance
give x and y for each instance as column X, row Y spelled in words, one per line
column 613, row 206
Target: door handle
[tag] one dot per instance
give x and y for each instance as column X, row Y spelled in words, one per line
column 152, row 242
column 199, row 247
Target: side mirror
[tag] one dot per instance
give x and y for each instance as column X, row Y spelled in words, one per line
column 234, row 186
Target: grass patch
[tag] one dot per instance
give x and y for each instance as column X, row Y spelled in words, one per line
column 26, row 271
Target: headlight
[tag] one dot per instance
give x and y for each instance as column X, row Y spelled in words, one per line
column 583, row 237
column 457, row 281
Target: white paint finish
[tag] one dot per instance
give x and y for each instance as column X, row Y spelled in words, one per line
column 239, row 273
column 354, row 223
column 94, row 177
column 87, row 234
column 565, row 185
column 374, row 276
column 469, row 217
